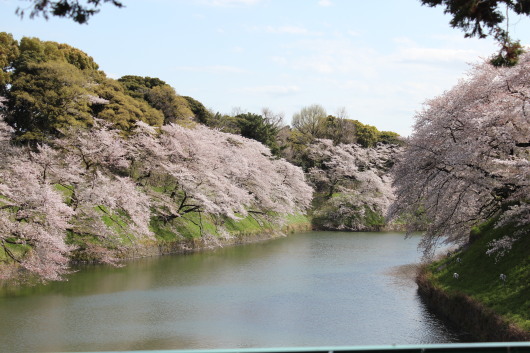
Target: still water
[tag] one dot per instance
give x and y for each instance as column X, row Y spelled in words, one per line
column 309, row 289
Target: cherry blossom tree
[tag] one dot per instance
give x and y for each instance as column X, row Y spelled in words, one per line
column 108, row 204
column 33, row 216
column 353, row 183
column 72, row 185
column 203, row 170
column 468, row 158
column 94, row 192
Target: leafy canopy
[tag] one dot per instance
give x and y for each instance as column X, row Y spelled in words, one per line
column 51, row 86
column 78, row 11
column 480, row 18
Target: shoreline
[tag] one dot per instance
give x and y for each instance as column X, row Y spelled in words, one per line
column 14, row 275
column 467, row 314
column 187, row 246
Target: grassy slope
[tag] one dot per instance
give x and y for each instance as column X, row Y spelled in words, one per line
column 189, row 228
column 479, row 274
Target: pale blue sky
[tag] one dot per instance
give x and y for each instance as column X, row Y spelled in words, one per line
column 379, row 59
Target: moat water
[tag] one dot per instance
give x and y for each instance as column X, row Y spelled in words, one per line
column 308, row 289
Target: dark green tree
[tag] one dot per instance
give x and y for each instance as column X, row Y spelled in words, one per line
column 138, row 86
column 47, row 97
column 390, row 138
column 339, row 130
column 480, row 18
column 79, row 11
column 48, row 86
column 254, row 126
column 8, row 53
column 159, row 95
column 123, row 110
column 202, row 115
column 173, row 106
column 51, row 86
column 366, row 135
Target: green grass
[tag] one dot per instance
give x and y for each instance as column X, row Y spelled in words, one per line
column 67, row 191
column 188, row 226
column 251, row 224
column 298, row 218
column 17, row 250
column 479, row 274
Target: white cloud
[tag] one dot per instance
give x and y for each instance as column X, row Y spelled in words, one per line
column 281, row 60
column 325, row 3
column 285, row 29
column 444, row 49
column 419, row 55
column 276, row 90
column 228, row 3
column 288, row 29
column 404, row 41
column 321, row 64
column 212, row 69
column 329, row 56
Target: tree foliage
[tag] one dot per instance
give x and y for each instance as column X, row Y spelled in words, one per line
column 78, row 11
column 338, row 129
column 469, row 159
column 8, row 53
column 309, row 120
column 483, row 18
column 47, row 97
column 314, row 122
column 480, row 18
column 138, row 87
column 50, row 87
column 159, row 95
column 173, row 106
column 257, row 127
column 202, row 115
column 366, row 135
column 117, row 107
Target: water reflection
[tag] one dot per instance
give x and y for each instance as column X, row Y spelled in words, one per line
column 313, row 289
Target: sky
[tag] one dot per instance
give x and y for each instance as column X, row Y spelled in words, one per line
column 381, row 60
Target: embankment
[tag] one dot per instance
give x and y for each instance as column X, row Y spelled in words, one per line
column 487, row 296
column 189, row 245
column 467, row 314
